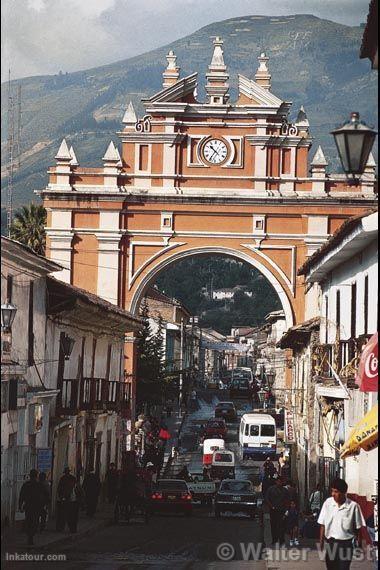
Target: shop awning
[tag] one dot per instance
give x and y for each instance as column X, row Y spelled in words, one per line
column 363, row 436
column 368, row 375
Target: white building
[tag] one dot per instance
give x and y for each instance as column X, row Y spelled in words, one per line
column 344, row 275
column 228, row 294
column 25, row 397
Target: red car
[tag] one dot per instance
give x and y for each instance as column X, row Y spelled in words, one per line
column 171, row 495
column 215, row 428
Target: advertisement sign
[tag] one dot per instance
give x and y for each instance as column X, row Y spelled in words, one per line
column 44, row 459
column 368, row 373
column 290, row 433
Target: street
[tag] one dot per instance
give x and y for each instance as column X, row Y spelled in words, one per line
column 173, row 540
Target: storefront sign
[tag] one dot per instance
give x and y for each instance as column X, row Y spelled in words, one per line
column 368, row 372
column 290, row 434
column 44, row 459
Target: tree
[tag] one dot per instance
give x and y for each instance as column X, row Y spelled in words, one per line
column 150, row 362
column 28, row 227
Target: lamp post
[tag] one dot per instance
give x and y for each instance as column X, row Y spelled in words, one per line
column 354, row 141
column 67, row 344
column 8, row 313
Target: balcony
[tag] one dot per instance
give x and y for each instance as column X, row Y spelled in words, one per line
column 92, row 394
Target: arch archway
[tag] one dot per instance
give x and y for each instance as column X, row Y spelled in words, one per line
column 160, row 264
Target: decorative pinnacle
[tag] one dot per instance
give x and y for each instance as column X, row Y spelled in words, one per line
column 371, row 160
column 319, row 158
column 302, row 120
column 217, row 57
column 63, row 152
column 262, row 75
column 130, row 117
column 112, row 154
column 171, row 59
column 74, row 161
column 171, row 73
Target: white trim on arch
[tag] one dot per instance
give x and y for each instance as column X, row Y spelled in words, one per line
column 286, row 305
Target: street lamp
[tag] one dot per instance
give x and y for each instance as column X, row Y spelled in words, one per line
column 67, row 344
column 354, row 141
column 8, row 313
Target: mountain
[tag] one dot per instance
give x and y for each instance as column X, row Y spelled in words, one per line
column 313, row 62
column 192, row 280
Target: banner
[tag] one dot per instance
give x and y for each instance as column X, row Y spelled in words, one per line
column 368, row 373
column 290, row 432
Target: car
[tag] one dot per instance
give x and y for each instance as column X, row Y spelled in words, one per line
column 215, row 428
column 237, row 496
column 240, row 388
column 226, row 410
column 171, row 495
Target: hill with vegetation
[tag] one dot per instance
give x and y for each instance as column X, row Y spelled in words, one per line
column 193, row 280
column 313, row 62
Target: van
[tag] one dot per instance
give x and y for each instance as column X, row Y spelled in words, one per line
column 257, row 436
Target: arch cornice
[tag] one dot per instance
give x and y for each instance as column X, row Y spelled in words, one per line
column 143, row 283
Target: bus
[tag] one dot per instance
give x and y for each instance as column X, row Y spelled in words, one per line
column 257, row 436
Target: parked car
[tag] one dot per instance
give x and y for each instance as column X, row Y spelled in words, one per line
column 215, row 428
column 171, row 495
column 236, row 495
column 226, row 410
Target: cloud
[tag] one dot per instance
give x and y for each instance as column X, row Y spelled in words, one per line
column 46, row 36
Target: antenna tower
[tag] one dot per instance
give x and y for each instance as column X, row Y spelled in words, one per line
column 13, row 144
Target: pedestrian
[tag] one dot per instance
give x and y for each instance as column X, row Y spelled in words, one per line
column 32, row 500
column 45, row 485
column 292, row 491
column 277, row 498
column 112, row 481
column 341, row 520
column 268, row 471
column 91, row 489
column 69, row 497
column 315, row 500
column 292, row 523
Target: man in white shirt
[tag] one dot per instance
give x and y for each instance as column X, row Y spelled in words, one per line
column 341, row 520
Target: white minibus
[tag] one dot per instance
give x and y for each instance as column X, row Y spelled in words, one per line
column 257, row 436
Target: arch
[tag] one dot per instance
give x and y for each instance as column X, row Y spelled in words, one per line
column 280, row 290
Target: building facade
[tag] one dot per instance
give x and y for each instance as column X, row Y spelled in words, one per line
column 199, row 177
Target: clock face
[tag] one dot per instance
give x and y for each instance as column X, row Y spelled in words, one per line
column 215, row 151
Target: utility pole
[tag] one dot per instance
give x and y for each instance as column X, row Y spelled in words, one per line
column 181, row 364
column 13, row 145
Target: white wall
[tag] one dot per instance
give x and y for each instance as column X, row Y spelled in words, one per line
column 351, row 271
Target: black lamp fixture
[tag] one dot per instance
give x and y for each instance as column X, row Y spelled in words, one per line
column 8, row 313
column 354, row 141
column 67, row 344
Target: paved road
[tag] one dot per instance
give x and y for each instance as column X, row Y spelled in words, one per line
column 172, row 541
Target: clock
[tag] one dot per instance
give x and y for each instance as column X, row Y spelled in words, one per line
column 215, row 151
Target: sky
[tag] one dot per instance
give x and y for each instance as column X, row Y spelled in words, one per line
column 47, row 36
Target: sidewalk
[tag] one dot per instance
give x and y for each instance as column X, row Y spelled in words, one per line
column 306, row 555
column 14, row 539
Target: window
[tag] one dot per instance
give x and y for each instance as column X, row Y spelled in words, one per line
column 353, row 310
column 143, row 157
column 166, row 220
column 255, row 431
column 285, row 163
column 366, row 291
column 9, row 287
column 258, row 224
column 267, row 431
column 337, row 312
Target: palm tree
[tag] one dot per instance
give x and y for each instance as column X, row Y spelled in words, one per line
column 28, row 227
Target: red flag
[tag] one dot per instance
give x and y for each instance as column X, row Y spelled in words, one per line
column 368, row 375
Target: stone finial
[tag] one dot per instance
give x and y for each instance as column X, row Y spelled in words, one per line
column 63, row 153
column 217, row 77
column 171, row 73
column 112, row 155
column 262, row 75
column 302, row 120
column 74, row 161
column 371, row 162
column 319, row 159
column 130, row 117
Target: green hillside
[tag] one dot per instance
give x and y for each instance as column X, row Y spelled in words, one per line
column 313, row 62
column 192, row 281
